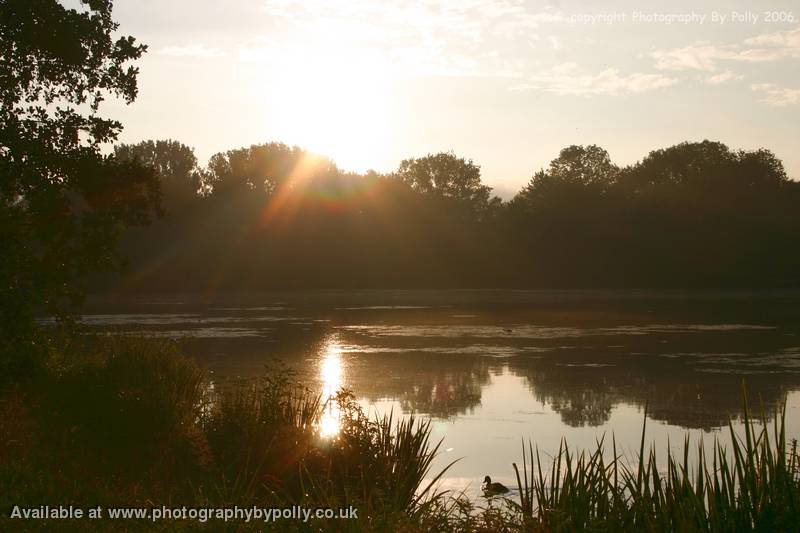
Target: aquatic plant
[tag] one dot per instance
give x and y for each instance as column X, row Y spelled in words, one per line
column 752, row 486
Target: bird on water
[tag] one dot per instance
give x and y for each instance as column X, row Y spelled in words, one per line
column 490, row 488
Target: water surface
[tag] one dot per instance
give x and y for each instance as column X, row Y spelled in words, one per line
column 495, row 367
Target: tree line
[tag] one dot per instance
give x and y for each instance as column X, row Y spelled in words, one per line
column 272, row 216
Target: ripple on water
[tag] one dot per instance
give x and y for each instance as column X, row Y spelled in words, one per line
column 473, row 349
column 171, row 319
column 200, row 333
column 527, row 331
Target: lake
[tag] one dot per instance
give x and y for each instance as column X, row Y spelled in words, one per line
column 494, row 367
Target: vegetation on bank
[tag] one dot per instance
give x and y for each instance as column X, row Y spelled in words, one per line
column 129, row 422
column 272, row 216
column 753, row 486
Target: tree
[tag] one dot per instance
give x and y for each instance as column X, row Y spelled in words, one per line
column 447, row 177
column 175, row 165
column 705, row 166
column 699, row 208
column 576, row 177
column 62, row 202
column 565, row 214
column 265, row 169
column 584, row 165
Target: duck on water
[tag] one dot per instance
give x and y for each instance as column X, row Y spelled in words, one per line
column 490, row 488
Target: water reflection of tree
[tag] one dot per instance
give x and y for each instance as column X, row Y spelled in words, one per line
column 446, row 394
column 583, row 407
column 675, row 390
column 434, row 384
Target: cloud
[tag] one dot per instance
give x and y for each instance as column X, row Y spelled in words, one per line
column 787, row 40
column 470, row 20
column 447, row 37
column 191, row 50
column 722, row 77
column 705, row 56
column 777, row 96
column 698, row 56
column 564, row 79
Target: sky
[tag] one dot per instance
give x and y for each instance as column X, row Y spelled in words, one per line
column 506, row 83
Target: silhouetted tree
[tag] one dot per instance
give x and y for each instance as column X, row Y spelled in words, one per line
column 564, row 215
column 578, row 172
column 446, row 176
column 695, row 214
column 63, row 201
column 584, row 165
column 265, row 168
column 704, row 165
column 275, row 216
column 706, row 214
column 175, row 165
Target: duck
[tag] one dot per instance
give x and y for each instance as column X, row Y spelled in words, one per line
column 490, row 488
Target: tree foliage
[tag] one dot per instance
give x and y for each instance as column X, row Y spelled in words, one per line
column 694, row 214
column 265, row 169
column 274, row 216
column 705, row 166
column 63, row 200
column 447, row 177
column 579, row 174
column 174, row 164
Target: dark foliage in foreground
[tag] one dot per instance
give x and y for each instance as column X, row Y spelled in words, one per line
column 63, row 201
column 128, row 422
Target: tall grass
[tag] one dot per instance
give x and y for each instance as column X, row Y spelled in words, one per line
column 752, row 486
column 265, row 437
column 125, row 421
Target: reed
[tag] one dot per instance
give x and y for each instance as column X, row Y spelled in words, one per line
column 125, row 422
column 753, row 485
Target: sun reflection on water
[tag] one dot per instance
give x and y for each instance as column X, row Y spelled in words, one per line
column 331, row 373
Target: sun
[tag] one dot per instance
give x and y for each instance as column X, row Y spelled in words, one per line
column 334, row 103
